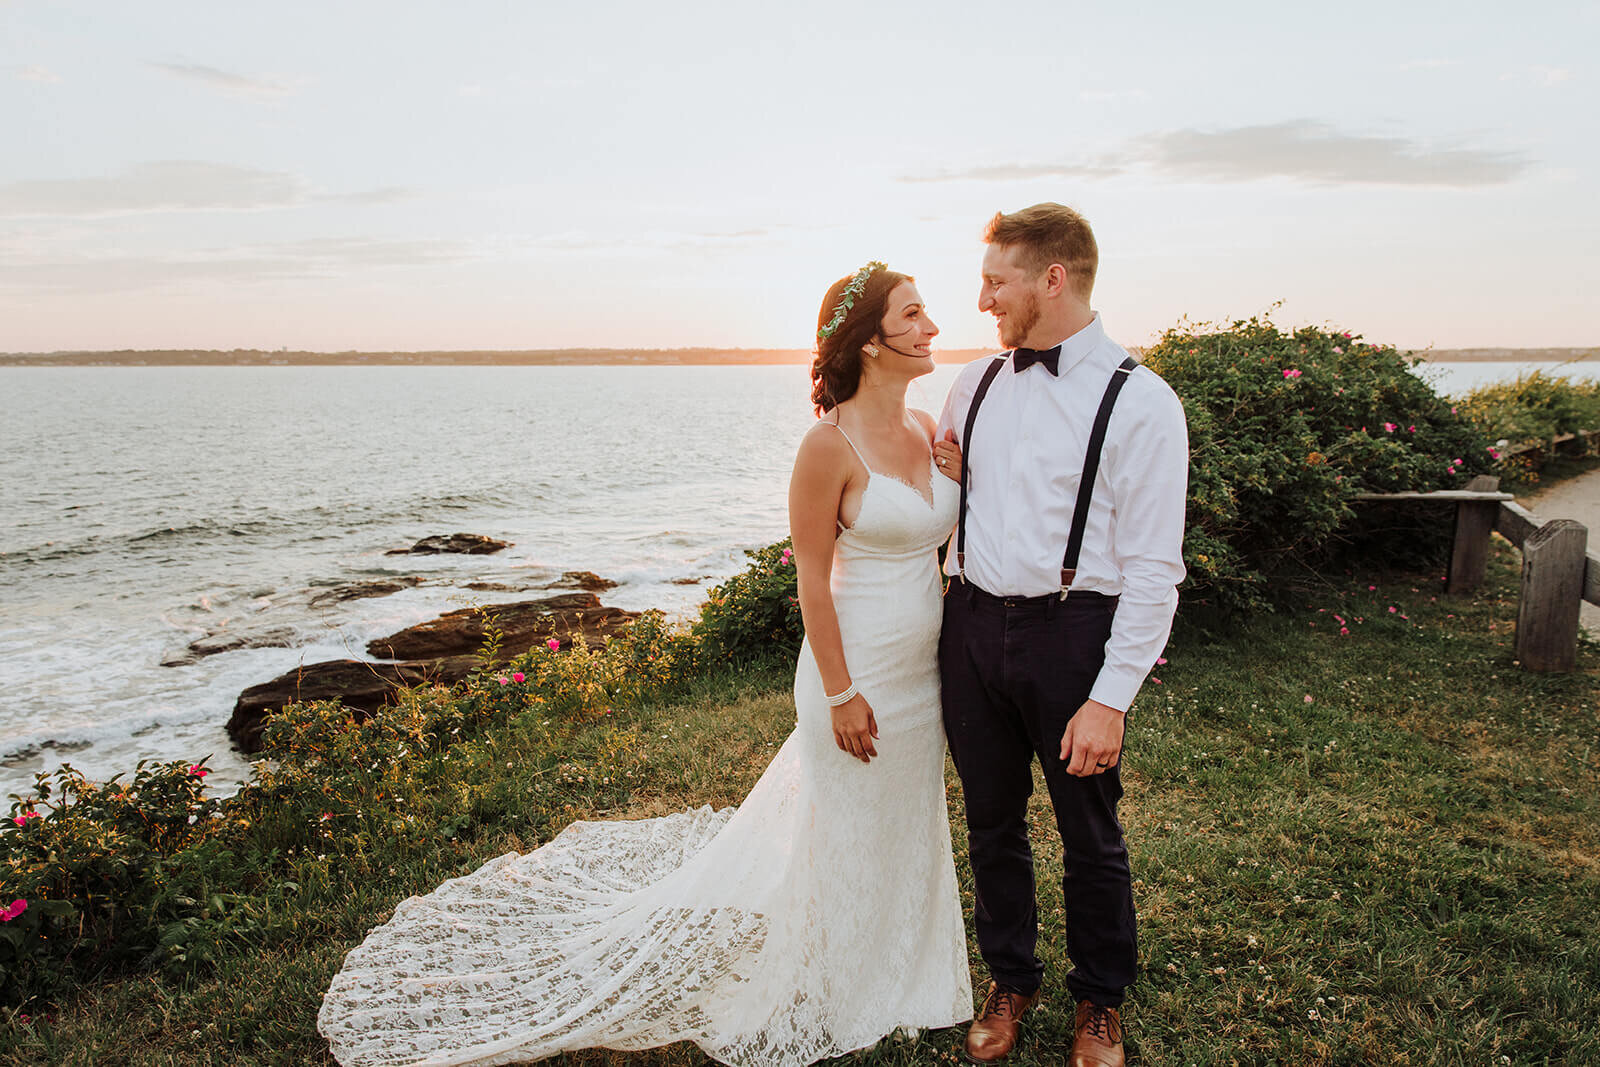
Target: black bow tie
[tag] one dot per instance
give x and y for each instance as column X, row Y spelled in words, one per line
column 1023, row 358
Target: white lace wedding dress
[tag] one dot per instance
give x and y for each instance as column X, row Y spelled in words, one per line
column 814, row 919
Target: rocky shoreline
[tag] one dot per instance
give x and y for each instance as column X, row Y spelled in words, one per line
column 441, row 651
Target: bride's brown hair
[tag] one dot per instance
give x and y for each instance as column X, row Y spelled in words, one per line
column 836, row 372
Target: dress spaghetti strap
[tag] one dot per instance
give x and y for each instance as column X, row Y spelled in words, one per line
column 857, row 451
column 851, row 443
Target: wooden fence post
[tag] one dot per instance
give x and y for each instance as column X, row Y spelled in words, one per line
column 1552, row 587
column 1469, row 553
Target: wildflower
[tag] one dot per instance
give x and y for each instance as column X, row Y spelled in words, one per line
column 1309, row 700
column 22, row 820
column 1344, row 631
column 1338, row 350
column 1411, row 429
column 1389, row 427
column 553, row 645
column 1392, row 609
column 1291, row 372
column 17, row 908
column 518, row 677
column 503, row 680
column 197, row 770
column 1161, row 661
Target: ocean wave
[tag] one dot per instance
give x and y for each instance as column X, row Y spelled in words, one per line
column 308, row 523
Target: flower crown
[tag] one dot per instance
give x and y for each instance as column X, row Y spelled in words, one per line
column 858, row 285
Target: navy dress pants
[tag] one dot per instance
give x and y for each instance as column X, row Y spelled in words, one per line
column 1014, row 671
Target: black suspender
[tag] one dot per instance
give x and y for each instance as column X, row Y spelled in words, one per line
column 966, row 468
column 1091, row 468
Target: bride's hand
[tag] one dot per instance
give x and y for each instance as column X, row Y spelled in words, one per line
column 947, row 454
column 854, row 728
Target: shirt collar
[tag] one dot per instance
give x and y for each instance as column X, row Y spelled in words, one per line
column 1077, row 347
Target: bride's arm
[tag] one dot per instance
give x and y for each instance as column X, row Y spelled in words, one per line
column 822, row 470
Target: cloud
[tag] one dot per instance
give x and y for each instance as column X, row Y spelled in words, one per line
column 1549, row 75
column 222, row 80
column 172, row 185
column 1011, row 172
column 1310, row 151
column 653, row 240
column 1101, row 96
column 1302, row 150
column 318, row 258
column 38, row 74
column 167, row 185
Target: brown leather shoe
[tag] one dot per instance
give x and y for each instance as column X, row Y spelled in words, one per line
column 994, row 1033
column 1098, row 1040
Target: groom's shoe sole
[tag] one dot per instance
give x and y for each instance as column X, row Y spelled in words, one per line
column 993, row 1034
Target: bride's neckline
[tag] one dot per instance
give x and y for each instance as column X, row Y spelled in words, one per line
column 926, row 498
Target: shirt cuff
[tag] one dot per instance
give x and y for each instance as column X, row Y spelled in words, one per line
column 1116, row 689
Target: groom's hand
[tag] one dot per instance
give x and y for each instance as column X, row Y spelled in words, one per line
column 1093, row 741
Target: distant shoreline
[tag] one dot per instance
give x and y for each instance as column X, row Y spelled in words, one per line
column 602, row 357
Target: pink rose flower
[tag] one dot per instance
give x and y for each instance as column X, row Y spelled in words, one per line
column 22, row 820
column 198, row 771
column 518, row 677
column 1291, row 372
column 503, row 680
column 17, row 908
column 1389, row 427
column 553, row 645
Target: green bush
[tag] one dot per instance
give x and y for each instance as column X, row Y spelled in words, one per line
column 1284, row 431
column 1534, row 408
column 93, row 883
column 753, row 617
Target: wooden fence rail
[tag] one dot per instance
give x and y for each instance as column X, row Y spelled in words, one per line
column 1558, row 570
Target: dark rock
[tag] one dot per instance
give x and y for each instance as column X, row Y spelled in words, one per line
column 499, row 587
column 688, row 581
column 469, row 544
column 522, row 624
column 362, row 590
column 439, row 652
column 587, row 580
column 362, row 687
column 230, row 641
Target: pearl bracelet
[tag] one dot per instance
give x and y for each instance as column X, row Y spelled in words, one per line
column 844, row 697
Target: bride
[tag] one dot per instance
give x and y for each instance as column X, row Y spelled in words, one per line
column 822, row 913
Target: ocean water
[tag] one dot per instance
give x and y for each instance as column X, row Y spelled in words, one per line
column 141, row 508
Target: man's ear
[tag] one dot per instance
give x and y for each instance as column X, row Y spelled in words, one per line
column 1055, row 279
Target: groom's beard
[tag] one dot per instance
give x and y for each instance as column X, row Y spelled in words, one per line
column 1016, row 326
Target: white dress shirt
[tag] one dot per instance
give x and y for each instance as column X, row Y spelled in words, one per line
column 1025, row 465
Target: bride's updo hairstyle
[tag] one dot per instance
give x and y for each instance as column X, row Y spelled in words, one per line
column 836, row 372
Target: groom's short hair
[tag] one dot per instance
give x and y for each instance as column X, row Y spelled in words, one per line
column 1049, row 233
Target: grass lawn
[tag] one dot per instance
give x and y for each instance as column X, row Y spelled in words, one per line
column 1380, row 847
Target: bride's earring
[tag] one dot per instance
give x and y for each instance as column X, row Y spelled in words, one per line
column 870, row 349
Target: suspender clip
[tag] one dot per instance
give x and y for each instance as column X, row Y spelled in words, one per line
column 1068, row 574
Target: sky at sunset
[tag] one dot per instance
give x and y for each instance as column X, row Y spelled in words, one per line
column 401, row 175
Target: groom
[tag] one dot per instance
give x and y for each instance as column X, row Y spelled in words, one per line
column 1064, row 569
